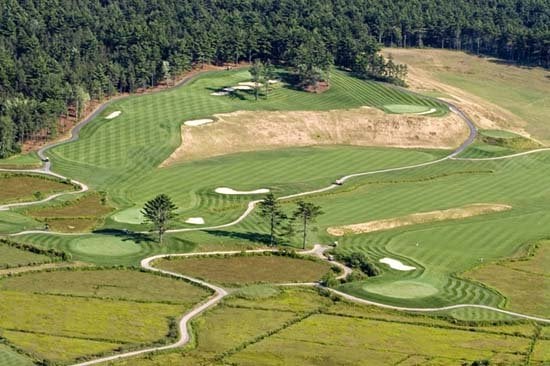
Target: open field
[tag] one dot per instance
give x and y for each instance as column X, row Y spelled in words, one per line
column 339, row 333
column 246, row 269
column 11, row 256
column 18, row 187
column 496, row 94
column 491, row 143
column 78, row 215
column 521, row 279
column 86, row 312
column 9, row 357
column 22, row 161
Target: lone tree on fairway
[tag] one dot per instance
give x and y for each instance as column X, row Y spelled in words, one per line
column 159, row 211
column 271, row 209
column 307, row 212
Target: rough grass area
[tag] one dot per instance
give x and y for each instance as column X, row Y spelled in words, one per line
column 279, row 330
column 13, row 257
column 78, row 215
column 17, row 187
column 524, row 282
column 240, row 269
column 495, row 93
column 64, row 315
column 492, row 143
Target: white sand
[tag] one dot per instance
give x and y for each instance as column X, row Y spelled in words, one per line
column 427, row 112
column 195, row 220
column 272, row 81
column 250, row 83
column 198, row 122
column 217, row 94
column 395, row 264
column 225, row 190
column 242, row 87
column 229, row 90
column 113, row 115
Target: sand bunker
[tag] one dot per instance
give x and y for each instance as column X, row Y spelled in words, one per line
column 427, row 112
column 198, row 122
column 272, row 81
column 218, row 94
column 244, row 131
column 251, row 83
column 242, row 87
column 229, row 90
column 419, row 218
column 195, row 220
column 225, row 190
column 113, row 115
column 395, row 264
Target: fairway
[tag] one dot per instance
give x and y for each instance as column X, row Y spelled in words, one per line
column 105, row 246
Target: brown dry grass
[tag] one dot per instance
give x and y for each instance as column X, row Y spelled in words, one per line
column 475, row 209
column 20, row 188
column 252, row 131
column 499, row 96
column 248, row 269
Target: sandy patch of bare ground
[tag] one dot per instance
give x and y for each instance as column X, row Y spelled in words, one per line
column 253, row 131
column 475, row 209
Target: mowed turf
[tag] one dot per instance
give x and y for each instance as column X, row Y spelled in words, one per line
column 16, row 187
column 246, row 269
column 9, row 357
column 111, row 153
column 64, row 315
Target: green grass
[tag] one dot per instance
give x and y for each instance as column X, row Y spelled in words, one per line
column 405, row 108
column 72, row 314
column 492, row 143
column 239, row 270
column 9, row 357
column 21, row 161
column 14, row 257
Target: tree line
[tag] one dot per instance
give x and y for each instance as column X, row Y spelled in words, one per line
column 56, row 55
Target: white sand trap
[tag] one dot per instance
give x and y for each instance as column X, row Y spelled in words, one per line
column 113, row 115
column 198, row 122
column 195, row 220
column 229, row 90
column 428, row 112
column 218, row 94
column 395, row 264
column 250, row 83
column 243, row 87
column 225, row 190
column 272, row 81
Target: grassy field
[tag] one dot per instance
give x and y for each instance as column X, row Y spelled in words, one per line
column 247, row 269
column 300, row 327
column 72, row 314
column 21, row 161
column 517, row 278
column 18, row 187
column 491, row 143
column 11, row 256
column 9, row 357
column 518, row 96
column 78, row 215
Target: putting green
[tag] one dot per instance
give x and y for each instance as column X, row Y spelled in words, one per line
column 402, row 289
column 406, row 108
column 105, row 246
column 131, row 215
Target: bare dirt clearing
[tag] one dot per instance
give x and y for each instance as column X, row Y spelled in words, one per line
column 419, row 218
column 252, row 131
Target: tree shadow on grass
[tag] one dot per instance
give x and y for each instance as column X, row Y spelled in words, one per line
column 236, row 94
column 126, row 235
column 249, row 236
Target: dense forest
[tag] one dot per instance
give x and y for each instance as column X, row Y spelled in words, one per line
column 60, row 53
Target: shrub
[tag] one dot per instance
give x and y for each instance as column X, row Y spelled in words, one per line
column 358, row 260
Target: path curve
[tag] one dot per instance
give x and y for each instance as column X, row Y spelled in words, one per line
column 219, row 293
column 505, row 156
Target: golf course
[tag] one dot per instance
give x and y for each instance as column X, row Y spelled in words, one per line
column 451, row 219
